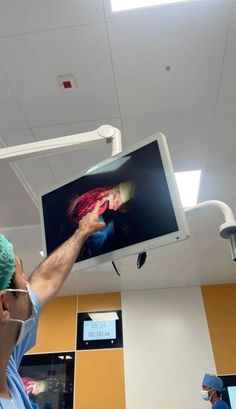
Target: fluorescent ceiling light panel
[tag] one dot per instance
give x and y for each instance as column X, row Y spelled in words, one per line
column 120, row 5
column 103, row 316
column 188, row 184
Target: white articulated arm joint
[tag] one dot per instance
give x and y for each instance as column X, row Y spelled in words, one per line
column 228, row 228
column 113, row 135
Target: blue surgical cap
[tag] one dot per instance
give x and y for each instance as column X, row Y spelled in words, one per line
column 213, row 381
column 7, row 262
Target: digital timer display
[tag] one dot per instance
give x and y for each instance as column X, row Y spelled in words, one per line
column 97, row 330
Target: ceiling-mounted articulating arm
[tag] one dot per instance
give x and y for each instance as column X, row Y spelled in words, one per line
column 64, row 143
column 228, row 228
column 223, row 207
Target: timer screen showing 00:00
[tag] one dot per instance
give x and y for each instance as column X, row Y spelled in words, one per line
column 95, row 330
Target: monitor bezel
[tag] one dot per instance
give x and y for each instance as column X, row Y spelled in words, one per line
column 181, row 234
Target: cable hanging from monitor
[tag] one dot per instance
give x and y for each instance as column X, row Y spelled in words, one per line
column 115, row 268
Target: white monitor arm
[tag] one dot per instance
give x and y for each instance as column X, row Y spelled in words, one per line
column 106, row 133
column 228, row 228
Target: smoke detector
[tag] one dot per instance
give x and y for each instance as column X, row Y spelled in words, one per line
column 67, row 81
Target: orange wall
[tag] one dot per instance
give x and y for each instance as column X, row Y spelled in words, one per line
column 220, row 307
column 57, row 326
column 99, row 374
column 100, row 379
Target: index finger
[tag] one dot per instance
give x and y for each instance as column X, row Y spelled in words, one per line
column 96, row 207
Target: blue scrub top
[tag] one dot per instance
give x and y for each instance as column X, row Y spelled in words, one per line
column 19, row 398
column 220, row 404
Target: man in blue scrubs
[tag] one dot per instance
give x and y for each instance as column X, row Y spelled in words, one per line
column 21, row 301
column 212, row 387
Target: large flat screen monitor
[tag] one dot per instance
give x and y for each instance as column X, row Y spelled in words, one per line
column 139, row 202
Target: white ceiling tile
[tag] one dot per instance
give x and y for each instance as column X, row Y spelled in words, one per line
column 218, row 183
column 71, row 163
column 56, row 131
column 25, row 237
column 36, row 171
column 31, row 259
column 101, row 279
column 11, row 116
column 12, row 138
column 41, row 188
column 191, row 43
column 222, row 147
column 32, row 16
column 41, row 57
column 212, row 268
column 187, row 133
column 227, row 93
column 16, row 207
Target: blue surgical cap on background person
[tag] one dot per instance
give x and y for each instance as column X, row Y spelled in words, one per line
column 213, row 381
column 7, row 262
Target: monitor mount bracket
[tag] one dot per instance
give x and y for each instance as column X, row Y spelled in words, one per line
column 228, row 228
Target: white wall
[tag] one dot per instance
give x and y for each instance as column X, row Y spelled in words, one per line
column 167, row 348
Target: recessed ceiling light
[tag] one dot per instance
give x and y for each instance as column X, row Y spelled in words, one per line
column 188, row 184
column 41, row 253
column 120, row 5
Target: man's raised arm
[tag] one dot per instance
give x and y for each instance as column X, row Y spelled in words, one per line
column 47, row 279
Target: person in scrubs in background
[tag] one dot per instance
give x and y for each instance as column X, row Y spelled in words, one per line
column 212, row 387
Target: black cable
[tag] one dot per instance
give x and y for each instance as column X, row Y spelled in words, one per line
column 115, row 268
